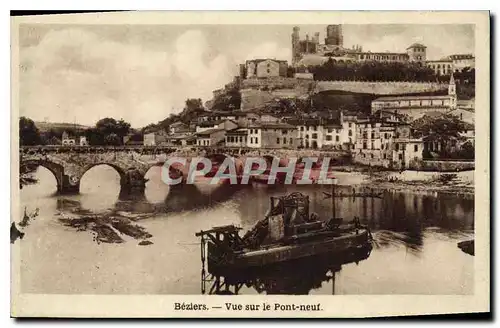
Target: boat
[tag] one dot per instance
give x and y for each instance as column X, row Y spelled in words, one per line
column 287, row 232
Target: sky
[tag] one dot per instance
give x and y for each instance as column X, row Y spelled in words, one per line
column 143, row 73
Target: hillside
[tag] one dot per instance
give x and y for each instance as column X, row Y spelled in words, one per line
column 47, row 126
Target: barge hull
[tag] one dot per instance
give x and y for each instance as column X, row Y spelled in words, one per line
column 276, row 254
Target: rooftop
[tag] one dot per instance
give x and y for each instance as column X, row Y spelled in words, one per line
column 265, row 125
column 395, row 98
column 258, row 60
column 416, row 45
column 208, row 132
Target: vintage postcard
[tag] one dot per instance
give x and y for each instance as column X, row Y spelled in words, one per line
column 250, row 164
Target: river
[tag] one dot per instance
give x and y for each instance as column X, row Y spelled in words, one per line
column 414, row 250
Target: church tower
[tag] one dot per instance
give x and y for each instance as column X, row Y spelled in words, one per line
column 452, row 92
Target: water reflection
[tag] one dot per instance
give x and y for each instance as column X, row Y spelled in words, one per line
column 296, row 277
column 413, row 233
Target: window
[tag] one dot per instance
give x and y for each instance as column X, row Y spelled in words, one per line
column 400, row 157
column 256, row 140
column 241, row 139
column 284, row 141
column 337, row 138
column 307, row 136
column 382, row 146
column 364, row 145
column 372, row 155
column 385, row 156
column 373, row 145
column 251, row 140
column 268, row 70
column 350, row 140
column 350, row 133
column 291, row 141
column 386, row 136
column 350, row 125
column 284, row 132
column 314, row 136
column 315, row 128
column 329, row 130
column 415, row 148
column 329, row 138
column 373, row 135
column 397, row 147
column 301, row 128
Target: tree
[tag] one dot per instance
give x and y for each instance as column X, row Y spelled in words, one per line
column 109, row 126
column 192, row 104
column 29, row 134
column 446, row 130
column 112, row 139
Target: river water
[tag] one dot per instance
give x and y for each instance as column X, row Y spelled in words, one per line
column 414, row 250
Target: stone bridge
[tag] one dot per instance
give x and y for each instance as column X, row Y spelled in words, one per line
column 69, row 164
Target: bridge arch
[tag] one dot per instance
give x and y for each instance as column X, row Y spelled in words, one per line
column 56, row 169
column 117, row 168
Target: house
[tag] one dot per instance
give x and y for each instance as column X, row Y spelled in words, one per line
column 309, row 132
column 224, row 124
column 177, row 127
column 263, row 68
column 272, row 135
column 387, row 144
column 66, row 140
column 181, row 139
column 327, row 131
column 155, row 138
column 83, row 141
column 237, row 137
column 211, row 137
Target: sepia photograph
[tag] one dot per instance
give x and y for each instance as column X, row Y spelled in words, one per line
column 197, row 156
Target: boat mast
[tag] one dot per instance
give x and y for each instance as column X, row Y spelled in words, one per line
column 333, row 200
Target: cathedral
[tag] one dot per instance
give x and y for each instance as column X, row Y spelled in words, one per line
column 311, row 52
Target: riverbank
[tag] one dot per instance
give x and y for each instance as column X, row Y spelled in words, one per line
column 460, row 183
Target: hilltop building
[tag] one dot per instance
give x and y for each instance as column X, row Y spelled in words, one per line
column 452, row 63
column 310, row 52
column 264, row 68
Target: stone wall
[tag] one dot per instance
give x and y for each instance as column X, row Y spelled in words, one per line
column 380, row 88
column 445, row 166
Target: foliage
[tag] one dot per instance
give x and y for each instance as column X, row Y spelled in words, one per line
column 107, row 126
column 467, row 151
column 443, row 128
column 229, row 100
column 373, row 71
column 112, row 139
column 107, row 131
column 29, row 134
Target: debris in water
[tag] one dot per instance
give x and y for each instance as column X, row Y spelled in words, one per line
column 107, row 227
column 145, row 242
column 467, row 246
column 28, row 217
column 15, row 233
